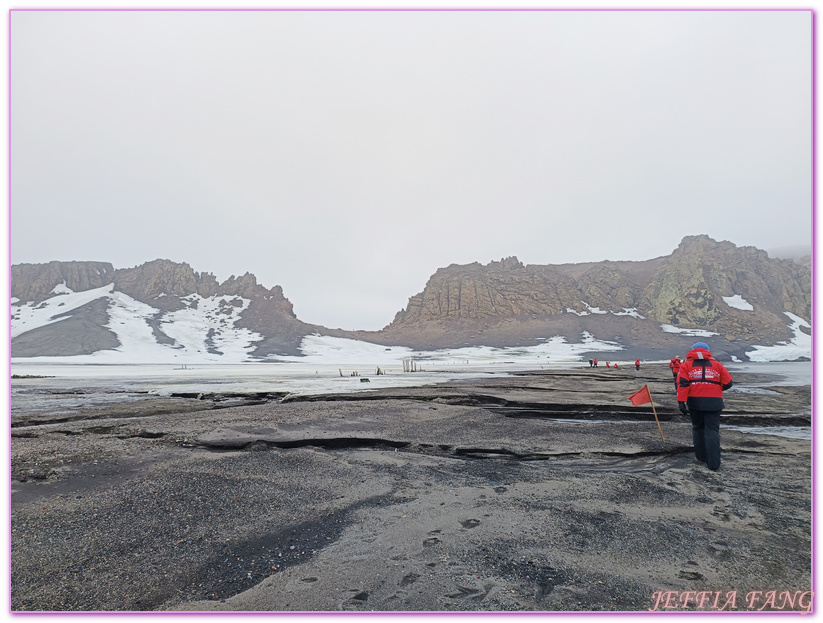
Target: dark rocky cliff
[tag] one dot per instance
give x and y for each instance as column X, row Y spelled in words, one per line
column 34, row 282
column 509, row 303
column 689, row 290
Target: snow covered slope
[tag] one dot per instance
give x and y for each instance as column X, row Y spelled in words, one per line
column 27, row 316
column 203, row 331
column 799, row 346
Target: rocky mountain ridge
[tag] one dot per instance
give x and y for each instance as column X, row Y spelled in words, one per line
column 685, row 290
column 738, row 296
column 161, row 284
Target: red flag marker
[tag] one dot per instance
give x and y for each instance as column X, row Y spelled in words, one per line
column 641, row 397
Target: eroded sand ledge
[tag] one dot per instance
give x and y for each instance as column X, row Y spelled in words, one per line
column 430, row 498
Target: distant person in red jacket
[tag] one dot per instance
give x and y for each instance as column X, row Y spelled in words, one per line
column 674, row 364
column 615, row 365
column 700, row 386
column 608, row 364
column 595, row 362
column 637, row 363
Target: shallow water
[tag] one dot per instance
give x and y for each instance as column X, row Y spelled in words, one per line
column 753, row 390
column 791, row 432
column 164, row 380
column 790, row 372
column 75, row 386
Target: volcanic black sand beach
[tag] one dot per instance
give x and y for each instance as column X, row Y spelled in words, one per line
column 539, row 491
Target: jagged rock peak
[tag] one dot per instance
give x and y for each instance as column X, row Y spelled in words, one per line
column 691, row 241
column 704, row 243
column 507, row 263
column 156, row 278
column 158, row 282
column 245, row 286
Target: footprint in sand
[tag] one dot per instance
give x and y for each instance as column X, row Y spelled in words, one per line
column 464, row 591
column 409, row 578
column 358, row 601
column 690, row 575
column 468, row 524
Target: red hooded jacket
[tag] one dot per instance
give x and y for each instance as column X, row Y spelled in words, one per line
column 702, row 381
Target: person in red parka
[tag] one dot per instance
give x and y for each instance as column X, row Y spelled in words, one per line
column 674, row 364
column 701, row 382
column 637, row 363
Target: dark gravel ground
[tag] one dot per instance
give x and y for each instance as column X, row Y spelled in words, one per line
column 425, row 499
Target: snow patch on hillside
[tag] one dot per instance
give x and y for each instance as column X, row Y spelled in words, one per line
column 738, row 302
column 128, row 320
column 799, row 346
column 592, row 310
column 687, row 332
column 629, row 312
column 61, row 288
column 596, row 310
column 208, row 324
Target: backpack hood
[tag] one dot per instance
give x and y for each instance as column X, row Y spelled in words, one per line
column 699, row 353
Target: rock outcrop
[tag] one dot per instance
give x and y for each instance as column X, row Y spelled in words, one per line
column 695, row 288
column 34, row 282
column 690, row 289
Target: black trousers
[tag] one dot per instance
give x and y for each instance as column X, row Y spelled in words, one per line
column 706, row 437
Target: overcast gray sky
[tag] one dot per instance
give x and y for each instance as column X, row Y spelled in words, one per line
column 348, row 155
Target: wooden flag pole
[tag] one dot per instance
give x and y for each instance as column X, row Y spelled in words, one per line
column 655, row 414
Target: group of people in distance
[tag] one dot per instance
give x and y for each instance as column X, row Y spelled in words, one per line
column 609, row 364
column 700, row 381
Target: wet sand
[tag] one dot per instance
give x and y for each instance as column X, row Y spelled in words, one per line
column 541, row 491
